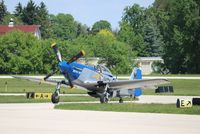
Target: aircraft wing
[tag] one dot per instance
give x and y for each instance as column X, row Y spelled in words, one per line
column 47, row 81
column 130, row 84
column 40, row 80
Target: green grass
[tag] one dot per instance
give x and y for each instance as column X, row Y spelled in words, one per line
column 144, row 108
column 181, row 87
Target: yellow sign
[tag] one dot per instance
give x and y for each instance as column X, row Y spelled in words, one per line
column 42, row 95
column 184, row 103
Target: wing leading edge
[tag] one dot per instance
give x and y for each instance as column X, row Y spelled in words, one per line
column 40, row 80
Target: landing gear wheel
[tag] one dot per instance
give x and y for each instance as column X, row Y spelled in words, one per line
column 103, row 99
column 121, row 100
column 55, row 98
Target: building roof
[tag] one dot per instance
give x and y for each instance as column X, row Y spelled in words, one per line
column 25, row 28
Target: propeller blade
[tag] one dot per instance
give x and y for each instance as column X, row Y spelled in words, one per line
column 57, row 52
column 70, row 81
column 50, row 74
column 80, row 54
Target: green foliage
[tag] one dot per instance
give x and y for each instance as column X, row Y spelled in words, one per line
column 18, row 10
column 7, row 18
column 180, row 32
column 20, row 53
column 29, row 15
column 33, row 14
column 134, row 16
column 43, row 20
column 64, row 27
column 3, row 10
column 138, row 28
column 23, row 53
column 99, row 25
column 82, row 30
column 117, row 55
column 169, row 29
column 153, row 40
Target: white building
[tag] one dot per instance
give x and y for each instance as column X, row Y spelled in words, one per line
column 145, row 63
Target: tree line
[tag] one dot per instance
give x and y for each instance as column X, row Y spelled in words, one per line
column 168, row 28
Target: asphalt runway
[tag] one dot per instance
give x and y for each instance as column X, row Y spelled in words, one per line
column 43, row 119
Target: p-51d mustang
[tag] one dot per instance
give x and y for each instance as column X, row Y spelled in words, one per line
column 98, row 80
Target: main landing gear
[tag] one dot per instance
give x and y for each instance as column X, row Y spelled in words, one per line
column 55, row 96
column 104, row 98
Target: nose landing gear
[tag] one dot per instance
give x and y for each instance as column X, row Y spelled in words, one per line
column 55, row 96
column 104, row 98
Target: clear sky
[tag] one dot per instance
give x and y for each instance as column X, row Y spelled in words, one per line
column 86, row 11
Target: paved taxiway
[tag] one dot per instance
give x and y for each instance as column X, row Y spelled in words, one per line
column 43, row 119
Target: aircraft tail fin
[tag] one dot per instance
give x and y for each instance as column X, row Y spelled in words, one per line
column 136, row 75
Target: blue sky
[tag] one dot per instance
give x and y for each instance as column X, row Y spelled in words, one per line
column 86, row 11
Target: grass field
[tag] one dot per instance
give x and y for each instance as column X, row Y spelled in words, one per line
column 144, row 108
column 181, row 87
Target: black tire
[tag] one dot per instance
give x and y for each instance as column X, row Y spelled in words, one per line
column 103, row 99
column 121, row 100
column 55, row 98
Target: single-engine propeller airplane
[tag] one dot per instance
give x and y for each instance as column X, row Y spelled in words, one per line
column 98, row 80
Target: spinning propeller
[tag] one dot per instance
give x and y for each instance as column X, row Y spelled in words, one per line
column 59, row 58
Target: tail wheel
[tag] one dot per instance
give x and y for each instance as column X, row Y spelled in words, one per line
column 55, row 98
column 121, row 100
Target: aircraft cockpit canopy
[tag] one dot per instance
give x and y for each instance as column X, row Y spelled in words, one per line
column 103, row 69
